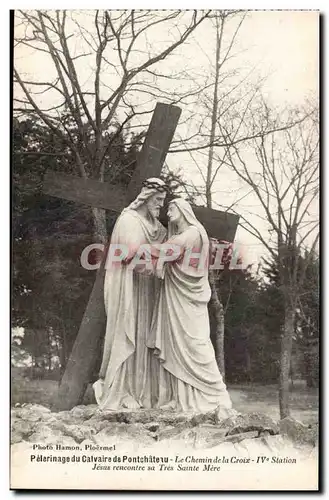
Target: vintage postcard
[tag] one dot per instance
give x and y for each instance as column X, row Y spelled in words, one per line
column 165, row 235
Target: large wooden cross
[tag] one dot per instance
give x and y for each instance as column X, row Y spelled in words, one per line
column 220, row 225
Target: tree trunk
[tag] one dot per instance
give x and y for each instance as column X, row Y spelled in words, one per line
column 32, row 366
column 219, row 321
column 100, row 229
column 285, row 362
column 215, row 302
column 62, row 358
column 214, row 114
column 49, row 353
column 63, row 354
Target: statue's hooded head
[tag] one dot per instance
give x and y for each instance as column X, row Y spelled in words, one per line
column 152, row 195
column 179, row 208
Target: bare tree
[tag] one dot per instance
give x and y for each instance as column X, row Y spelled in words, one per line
column 219, row 100
column 215, row 301
column 231, row 112
column 126, row 67
column 282, row 170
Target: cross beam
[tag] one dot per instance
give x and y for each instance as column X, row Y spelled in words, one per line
column 220, row 225
column 150, row 160
column 149, row 164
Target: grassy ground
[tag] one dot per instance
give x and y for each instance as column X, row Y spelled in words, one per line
column 264, row 398
column 245, row 398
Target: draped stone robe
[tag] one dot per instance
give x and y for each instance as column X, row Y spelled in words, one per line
column 189, row 379
column 128, row 366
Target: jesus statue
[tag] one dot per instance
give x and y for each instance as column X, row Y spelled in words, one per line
column 129, row 369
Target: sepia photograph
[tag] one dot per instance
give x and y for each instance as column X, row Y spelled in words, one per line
column 165, row 250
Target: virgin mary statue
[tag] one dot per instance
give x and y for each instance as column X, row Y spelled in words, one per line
column 188, row 379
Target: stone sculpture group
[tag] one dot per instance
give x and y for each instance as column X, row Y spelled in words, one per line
column 157, row 350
